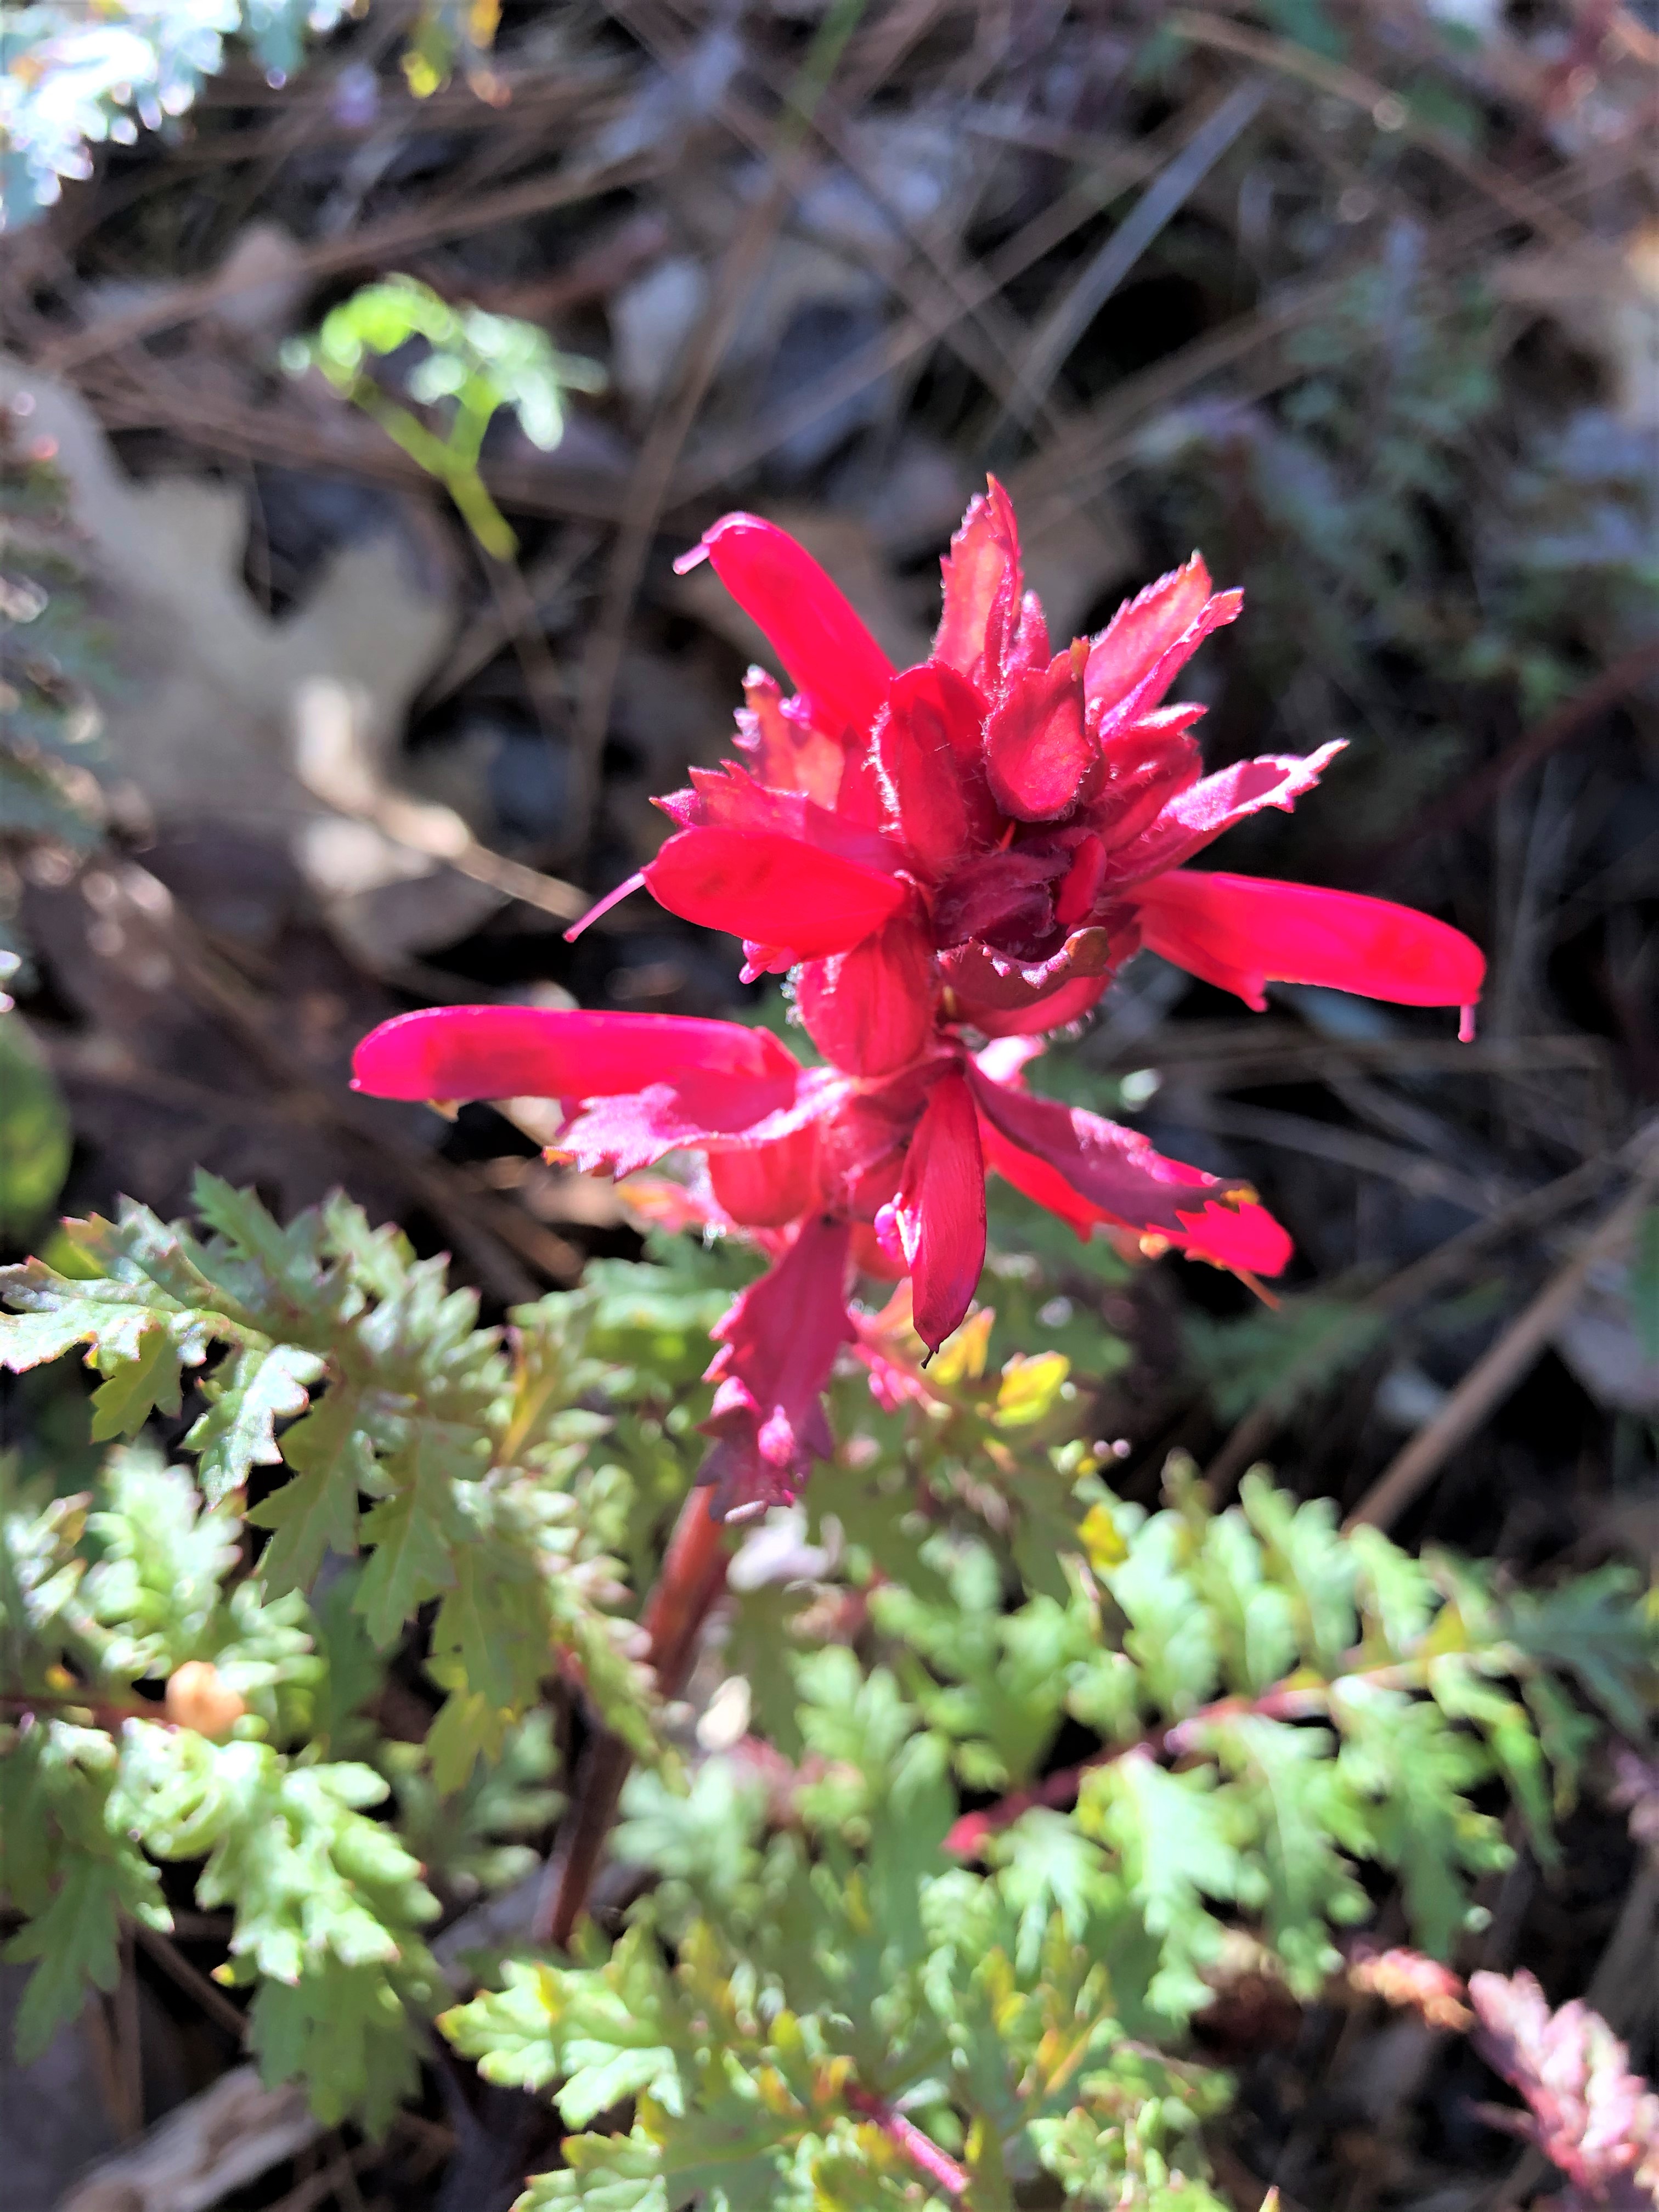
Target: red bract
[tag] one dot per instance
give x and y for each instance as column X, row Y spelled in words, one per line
column 963, row 851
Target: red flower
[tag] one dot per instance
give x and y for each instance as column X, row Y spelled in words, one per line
column 961, row 851
column 992, row 832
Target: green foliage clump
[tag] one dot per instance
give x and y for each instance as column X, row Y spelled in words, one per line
column 474, row 364
column 1285, row 1716
column 838, row 1986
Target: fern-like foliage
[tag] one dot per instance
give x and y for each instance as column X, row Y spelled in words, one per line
column 843, row 1984
column 827, row 1960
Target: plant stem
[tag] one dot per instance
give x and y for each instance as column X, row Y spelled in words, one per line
column 691, row 1579
column 1283, row 1701
column 923, row 2152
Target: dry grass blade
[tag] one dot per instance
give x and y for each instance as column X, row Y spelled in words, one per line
column 1065, row 322
column 1490, row 1379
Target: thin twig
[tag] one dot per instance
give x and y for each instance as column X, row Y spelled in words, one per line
column 1065, row 322
column 691, row 1579
column 923, row 2154
column 1472, row 796
column 1254, row 1430
column 1288, row 1700
column 1491, row 1380
column 376, row 245
column 196, row 1984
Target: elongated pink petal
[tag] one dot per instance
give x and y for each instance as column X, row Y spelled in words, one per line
column 778, row 1344
column 983, row 590
column 1197, row 816
column 1242, row 1236
column 871, row 1010
column 531, row 1052
column 1113, row 1168
column 941, row 1212
column 695, row 1112
column 1242, row 932
column 1038, row 760
column 770, row 888
column 824, row 645
column 1138, row 655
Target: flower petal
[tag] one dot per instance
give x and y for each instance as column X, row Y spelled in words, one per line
column 940, row 1210
column 1197, row 816
column 826, row 648
column 928, row 755
column 765, row 1186
column 785, row 748
column 531, row 1052
column 773, row 889
column 695, row 1112
column 983, row 590
column 778, row 1343
column 1245, row 1239
column 1038, row 760
column 1137, row 657
column 1242, row 1236
column 1240, row 932
column 1112, row 1167
column 871, row 1010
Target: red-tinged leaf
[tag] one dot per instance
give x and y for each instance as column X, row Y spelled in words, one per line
column 826, row 648
column 785, row 748
column 774, row 889
column 1591, row 2117
column 1242, row 932
column 941, row 1212
column 999, row 894
column 871, row 1010
column 530, row 1052
column 982, row 981
column 1196, row 816
column 1039, row 759
column 1137, row 657
column 983, row 590
column 766, row 1186
column 1113, row 1168
column 927, row 750
column 778, row 1343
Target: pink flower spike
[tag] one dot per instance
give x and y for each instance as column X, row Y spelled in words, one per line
column 940, row 1211
column 826, row 648
column 531, row 1052
column 1242, row 932
column 773, row 889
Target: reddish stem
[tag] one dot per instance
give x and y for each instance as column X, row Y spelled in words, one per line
column 1057, row 1791
column 108, row 1713
column 923, row 2152
column 691, row 1579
